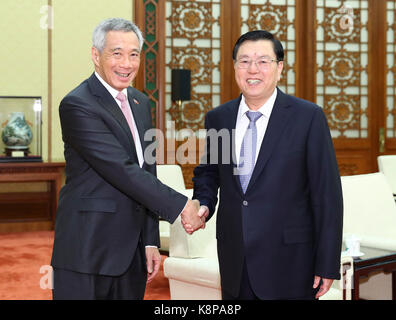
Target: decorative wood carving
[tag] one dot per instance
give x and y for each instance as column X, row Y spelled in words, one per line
column 327, row 61
column 193, row 30
column 149, row 17
column 277, row 17
column 390, row 111
column 342, row 59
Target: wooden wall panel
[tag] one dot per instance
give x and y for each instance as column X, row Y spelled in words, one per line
column 343, row 69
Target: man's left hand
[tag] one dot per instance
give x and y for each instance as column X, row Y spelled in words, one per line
column 326, row 284
column 153, row 259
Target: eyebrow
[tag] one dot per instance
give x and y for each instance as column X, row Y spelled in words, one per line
column 264, row 56
column 119, row 48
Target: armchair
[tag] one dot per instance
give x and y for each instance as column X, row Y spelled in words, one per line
column 172, row 176
column 370, row 214
column 192, row 267
column 336, row 291
column 369, row 210
column 387, row 165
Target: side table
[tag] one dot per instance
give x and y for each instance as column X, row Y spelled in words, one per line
column 30, row 211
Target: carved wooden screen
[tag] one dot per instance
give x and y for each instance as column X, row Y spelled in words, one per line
column 149, row 17
column 387, row 130
column 342, row 78
column 342, row 58
column 193, row 42
column 391, row 70
column 339, row 54
column 277, row 17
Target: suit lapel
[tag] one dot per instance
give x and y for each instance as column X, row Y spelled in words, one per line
column 276, row 125
column 230, row 125
column 107, row 101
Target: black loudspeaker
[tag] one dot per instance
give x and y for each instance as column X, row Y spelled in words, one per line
column 181, row 84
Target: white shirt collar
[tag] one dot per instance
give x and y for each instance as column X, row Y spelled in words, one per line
column 265, row 109
column 109, row 88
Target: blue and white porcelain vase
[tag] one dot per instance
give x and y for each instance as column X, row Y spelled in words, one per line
column 17, row 133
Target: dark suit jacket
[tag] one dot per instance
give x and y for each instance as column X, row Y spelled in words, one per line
column 288, row 225
column 108, row 203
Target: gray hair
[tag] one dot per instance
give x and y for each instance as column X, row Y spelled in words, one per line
column 114, row 24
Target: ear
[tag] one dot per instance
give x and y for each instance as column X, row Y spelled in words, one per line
column 280, row 68
column 95, row 56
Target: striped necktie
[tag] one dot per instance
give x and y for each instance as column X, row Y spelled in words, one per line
column 126, row 112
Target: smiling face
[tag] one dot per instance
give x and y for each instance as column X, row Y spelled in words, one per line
column 119, row 61
column 257, row 85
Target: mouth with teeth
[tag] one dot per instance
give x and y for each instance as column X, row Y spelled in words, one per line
column 122, row 75
column 253, row 81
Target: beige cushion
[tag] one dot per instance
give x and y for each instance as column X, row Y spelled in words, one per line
column 387, row 165
column 171, row 175
column 201, row 271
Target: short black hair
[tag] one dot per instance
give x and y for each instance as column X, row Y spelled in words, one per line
column 260, row 35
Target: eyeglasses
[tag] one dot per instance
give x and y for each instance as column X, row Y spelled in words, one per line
column 261, row 63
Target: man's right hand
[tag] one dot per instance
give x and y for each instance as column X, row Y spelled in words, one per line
column 203, row 213
column 190, row 219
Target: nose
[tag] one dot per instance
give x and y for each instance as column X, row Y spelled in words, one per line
column 253, row 67
column 126, row 62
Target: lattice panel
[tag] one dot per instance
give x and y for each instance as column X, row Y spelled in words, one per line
column 150, row 51
column 342, row 58
column 277, row 17
column 193, row 42
column 391, row 69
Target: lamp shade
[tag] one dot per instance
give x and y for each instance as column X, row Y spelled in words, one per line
column 181, row 84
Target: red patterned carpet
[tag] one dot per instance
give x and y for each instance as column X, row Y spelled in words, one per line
column 23, row 255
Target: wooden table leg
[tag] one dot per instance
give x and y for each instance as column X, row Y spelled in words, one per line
column 355, row 289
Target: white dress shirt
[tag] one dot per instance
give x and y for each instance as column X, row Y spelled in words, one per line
column 114, row 94
column 242, row 124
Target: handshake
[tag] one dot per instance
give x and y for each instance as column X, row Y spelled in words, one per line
column 194, row 216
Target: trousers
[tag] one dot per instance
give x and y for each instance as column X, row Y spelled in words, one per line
column 71, row 285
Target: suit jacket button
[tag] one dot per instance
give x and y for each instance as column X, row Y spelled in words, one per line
column 245, row 203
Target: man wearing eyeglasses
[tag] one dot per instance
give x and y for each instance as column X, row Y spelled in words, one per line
column 279, row 220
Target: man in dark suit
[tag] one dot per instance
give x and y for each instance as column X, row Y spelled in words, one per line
column 279, row 220
column 106, row 233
